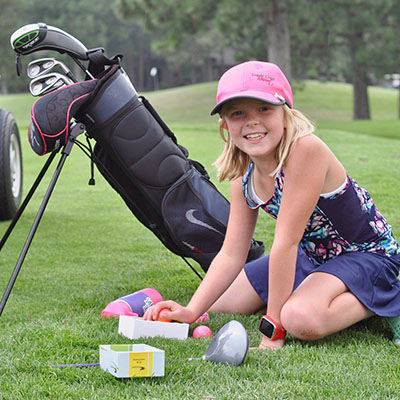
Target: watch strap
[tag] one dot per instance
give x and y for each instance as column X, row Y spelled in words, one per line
column 279, row 333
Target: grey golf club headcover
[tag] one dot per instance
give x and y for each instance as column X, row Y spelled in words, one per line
column 52, row 113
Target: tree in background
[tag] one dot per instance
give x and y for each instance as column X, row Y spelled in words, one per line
column 270, row 29
column 10, row 13
column 191, row 41
column 182, row 32
column 346, row 40
column 211, row 26
column 365, row 25
column 278, row 35
column 95, row 24
column 385, row 54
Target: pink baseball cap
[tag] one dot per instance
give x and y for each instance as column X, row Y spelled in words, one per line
column 254, row 79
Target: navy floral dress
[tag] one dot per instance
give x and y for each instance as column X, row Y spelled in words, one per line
column 345, row 223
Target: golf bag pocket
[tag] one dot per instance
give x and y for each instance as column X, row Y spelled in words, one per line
column 52, row 113
column 196, row 215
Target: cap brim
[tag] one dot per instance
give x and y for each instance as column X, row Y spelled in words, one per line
column 266, row 97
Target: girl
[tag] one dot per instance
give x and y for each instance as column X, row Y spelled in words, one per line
column 333, row 261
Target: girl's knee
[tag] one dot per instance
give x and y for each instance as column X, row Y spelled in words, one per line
column 302, row 322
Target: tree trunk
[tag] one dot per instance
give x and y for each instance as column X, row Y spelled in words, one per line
column 360, row 94
column 3, row 86
column 359, row 73
column 278, row 36
column 141, row 60
column 360, row 79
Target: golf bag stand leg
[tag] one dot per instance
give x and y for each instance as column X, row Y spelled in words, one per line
column 28, row 197
column 76, row 130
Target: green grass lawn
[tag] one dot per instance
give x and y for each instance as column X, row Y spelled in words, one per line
column 90, row 250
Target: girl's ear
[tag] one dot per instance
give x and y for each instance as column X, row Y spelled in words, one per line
column 222, row 124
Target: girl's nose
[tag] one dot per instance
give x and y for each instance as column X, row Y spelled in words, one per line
column 252, row 121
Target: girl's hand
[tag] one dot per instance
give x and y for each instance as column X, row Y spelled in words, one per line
column 175, row 312
column 270, row 344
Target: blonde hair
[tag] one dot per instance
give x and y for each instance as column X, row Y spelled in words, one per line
column 233, row 162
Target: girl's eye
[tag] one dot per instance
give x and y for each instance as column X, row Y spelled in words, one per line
column 264, row 108
column 236, row 113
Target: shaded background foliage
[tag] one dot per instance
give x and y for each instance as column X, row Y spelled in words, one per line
column 191, row 41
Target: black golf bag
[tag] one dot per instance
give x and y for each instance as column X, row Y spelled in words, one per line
column 135, row 151
column 141, row 159
column 139, row 156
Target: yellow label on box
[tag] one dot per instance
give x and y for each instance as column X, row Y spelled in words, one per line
column 141, row 364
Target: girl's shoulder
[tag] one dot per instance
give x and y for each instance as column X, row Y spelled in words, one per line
column 312, row 158
column 308, row 148
column 311, row 141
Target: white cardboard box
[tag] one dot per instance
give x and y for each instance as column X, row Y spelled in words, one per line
column 132, row 360
column 135, row 328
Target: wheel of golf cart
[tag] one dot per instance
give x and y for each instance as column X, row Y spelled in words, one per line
column 10, row 166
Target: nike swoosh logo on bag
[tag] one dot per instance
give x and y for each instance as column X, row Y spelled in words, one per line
column 191, row 218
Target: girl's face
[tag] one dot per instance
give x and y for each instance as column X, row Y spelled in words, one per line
column 254, row 126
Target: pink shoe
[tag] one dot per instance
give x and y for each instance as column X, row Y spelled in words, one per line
column 203, row 318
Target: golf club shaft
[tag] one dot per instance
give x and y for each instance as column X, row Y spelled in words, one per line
column 82, row 67
column 71, row 76
column 98, row 364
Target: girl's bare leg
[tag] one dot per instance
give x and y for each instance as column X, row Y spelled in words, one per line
column 320, row 306
column 239, row 298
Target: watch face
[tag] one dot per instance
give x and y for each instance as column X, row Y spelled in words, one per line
column 267, row 328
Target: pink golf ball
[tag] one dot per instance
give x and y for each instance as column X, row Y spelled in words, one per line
column 202, row 331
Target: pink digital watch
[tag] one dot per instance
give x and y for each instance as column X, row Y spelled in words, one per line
column 271, row 329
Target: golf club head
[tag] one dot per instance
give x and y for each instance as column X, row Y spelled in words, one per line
column 35, row 37
column 47, row 83
column 229, row 346
column 45, row 65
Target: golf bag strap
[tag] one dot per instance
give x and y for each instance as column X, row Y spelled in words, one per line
column 171, row 134
column 163, row 125
column 157, row 117
column 98, row 61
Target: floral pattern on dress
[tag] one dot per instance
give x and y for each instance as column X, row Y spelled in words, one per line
column 321, row 241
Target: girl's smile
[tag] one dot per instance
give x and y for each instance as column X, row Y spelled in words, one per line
column 255, row 136
column 253, row 122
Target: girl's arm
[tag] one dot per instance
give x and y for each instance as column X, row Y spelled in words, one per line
column 305, row 175
column 224, row 268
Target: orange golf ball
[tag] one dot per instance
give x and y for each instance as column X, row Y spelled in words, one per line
column 160, row 315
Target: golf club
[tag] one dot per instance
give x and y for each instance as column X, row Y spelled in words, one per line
column 44, row 84
column 229, row 346
column 35, row 37
column 45, row 65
